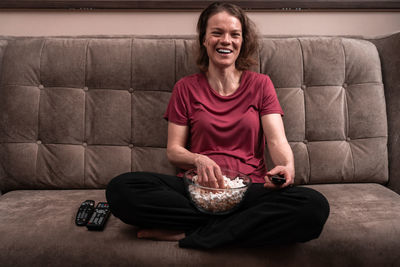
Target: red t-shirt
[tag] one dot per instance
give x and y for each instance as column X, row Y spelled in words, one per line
column 226, row 128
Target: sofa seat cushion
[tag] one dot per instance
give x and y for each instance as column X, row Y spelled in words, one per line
column 37, row 229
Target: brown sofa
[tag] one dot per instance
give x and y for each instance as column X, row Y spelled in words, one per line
column 76, row 111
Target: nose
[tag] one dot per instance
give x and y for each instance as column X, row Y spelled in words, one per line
column 226, row 39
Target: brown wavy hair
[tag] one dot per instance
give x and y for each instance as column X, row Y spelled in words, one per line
column 250, row 37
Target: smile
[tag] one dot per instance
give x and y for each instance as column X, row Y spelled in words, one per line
column 224, row 51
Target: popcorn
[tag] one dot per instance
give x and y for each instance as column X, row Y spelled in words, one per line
column 218, row 200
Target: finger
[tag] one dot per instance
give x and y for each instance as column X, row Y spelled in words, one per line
column 270, row 185
column 199, row 177
column 212, row 181
column 275, row 171
column 220, row 178
column 289, row 182
column 202, row 178
column 205, row 179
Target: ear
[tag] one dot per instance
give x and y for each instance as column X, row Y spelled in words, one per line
column 204, row 38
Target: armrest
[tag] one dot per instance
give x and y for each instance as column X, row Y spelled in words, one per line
column 389, row 51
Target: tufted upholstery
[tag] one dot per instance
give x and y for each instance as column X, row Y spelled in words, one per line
column 332, row 93
column 75, row 112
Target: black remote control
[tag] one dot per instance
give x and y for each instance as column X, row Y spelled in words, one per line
column 99, row 217
column 84, row 213
column 278, row 179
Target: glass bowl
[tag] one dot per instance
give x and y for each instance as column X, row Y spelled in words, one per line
column 217, row 201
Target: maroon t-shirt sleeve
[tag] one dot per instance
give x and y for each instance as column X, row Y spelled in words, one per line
column 177, row 110
column 269, row 102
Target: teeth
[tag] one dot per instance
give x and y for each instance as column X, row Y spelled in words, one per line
column 224, row 51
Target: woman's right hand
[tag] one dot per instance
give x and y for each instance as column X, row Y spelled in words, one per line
column 208, row 172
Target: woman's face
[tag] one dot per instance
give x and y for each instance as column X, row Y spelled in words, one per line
column 223, row 40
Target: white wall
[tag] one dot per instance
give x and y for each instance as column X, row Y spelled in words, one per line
column 75, row 22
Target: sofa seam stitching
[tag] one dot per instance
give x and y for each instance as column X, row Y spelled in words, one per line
column 131, row 95
column 40, row 83
column 40, row 97
column 304, row 101
column 345, row 90
column 84, row 118
column 347, row 113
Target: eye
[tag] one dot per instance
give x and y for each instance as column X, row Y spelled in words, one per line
column 216, row 33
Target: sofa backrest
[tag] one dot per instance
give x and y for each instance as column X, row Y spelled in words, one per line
column 332, row 94
column 77, row 111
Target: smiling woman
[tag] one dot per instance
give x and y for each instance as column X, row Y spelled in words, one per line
column 219, row 119
column 227, row 22
column 223, row 41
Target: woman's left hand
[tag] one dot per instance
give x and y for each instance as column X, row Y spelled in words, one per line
column 285, row 171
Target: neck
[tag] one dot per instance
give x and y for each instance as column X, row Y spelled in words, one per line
column 224, row 81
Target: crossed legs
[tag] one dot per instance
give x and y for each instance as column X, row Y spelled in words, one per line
column 159, row 205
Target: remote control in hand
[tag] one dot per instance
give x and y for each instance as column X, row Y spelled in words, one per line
column 99, row 217
column 84, row 213
column 278, row 179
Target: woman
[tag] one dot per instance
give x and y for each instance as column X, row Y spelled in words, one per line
column 225, row 112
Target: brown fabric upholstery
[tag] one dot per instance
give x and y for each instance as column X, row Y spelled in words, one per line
column 332, row 94
column 77, row 111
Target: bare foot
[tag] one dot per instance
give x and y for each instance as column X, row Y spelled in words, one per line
column 160, row 234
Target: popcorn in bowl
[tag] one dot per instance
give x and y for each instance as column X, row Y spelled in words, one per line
column 216, row 200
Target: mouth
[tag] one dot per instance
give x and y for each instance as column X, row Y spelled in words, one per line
column 224, row 51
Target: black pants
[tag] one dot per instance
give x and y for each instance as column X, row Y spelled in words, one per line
column 150, row 200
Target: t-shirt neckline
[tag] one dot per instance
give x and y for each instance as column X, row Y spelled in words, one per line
column 242, row 80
